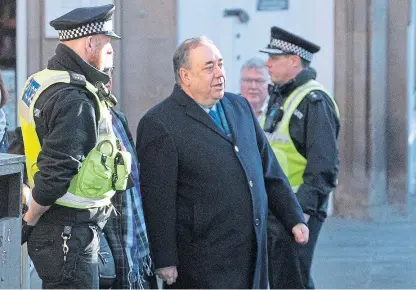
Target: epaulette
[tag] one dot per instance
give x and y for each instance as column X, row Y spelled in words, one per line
column 77, row 79
column 315, row 96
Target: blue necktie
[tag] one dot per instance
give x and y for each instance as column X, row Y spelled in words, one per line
column 214, row 115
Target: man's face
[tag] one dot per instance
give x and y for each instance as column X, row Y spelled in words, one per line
column 206, row 74
column 280, row 68
column 100, row 49
column 253, row 87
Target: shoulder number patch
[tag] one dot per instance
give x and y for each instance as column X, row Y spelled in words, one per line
column 30, row 92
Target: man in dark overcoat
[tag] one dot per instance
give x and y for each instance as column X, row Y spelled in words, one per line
column 208, row 177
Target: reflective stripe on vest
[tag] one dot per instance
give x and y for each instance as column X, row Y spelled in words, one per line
column 32, row 90
column 292, row 162
column 72, row 200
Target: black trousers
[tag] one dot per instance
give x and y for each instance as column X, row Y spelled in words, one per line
column 80, row 270
column 289, row 262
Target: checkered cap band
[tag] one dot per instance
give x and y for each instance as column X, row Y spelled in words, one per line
column 291, row 48
column 85, row 30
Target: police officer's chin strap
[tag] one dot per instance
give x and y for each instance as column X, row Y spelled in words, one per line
column 105, row 94
column 272, row 88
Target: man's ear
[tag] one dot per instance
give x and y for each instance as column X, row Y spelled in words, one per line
column 297, row 62
column 89, row 44
column 184, row 75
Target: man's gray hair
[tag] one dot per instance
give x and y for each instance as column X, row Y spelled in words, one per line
column 256, row 63
column 181, row 55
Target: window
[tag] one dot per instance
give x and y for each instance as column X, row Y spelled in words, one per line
column 272, row 5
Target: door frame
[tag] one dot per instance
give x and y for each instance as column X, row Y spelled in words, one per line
column 411, row 99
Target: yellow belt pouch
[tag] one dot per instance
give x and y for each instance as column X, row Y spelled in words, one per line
column 95, row 176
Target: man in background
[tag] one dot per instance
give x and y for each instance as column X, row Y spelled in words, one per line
column 125, row 230
column 253, row 84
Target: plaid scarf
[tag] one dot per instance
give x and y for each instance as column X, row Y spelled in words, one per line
column 3, row 132
column 128, row 235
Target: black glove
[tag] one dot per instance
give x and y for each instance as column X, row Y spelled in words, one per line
column 25, row 208
column 26, row 231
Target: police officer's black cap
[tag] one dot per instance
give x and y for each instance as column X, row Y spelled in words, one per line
column 284, row 42
column 85, row 21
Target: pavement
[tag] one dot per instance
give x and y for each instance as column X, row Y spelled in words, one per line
column 354, row 254
column 366, row 254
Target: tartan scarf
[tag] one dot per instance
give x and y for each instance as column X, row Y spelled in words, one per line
column 135, row 242
column 3, row 132
column 3, row 124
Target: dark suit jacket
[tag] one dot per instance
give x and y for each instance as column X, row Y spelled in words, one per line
column 206, row 196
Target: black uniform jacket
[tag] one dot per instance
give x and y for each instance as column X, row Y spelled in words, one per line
column 314, row 130
column 206, row 196
column 67, row 130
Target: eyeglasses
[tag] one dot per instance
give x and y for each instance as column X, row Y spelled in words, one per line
column 258, row 82
column 108, row 70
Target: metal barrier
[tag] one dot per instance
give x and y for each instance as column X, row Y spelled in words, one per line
column 11, row 178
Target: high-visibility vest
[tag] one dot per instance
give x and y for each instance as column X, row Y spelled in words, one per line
column 291, row 161
column 93, row 185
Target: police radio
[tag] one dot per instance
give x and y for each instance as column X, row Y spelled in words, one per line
column 273, row 117
column 105, row 94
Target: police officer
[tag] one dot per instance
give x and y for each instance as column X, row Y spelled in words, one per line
column 302, row 125
column 74, row 164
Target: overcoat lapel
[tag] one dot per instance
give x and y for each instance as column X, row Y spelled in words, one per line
column 194, row 111
column 198, row 114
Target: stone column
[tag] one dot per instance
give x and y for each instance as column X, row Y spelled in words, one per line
column 149, row 30
column 370, row 87
column 377, row 104
column 351, row 76
column 397, row 133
